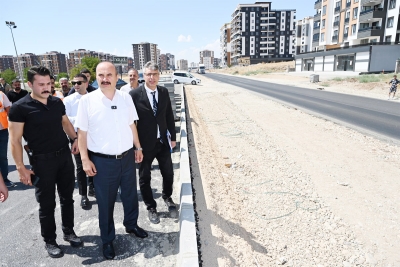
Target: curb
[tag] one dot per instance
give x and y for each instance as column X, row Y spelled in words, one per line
column 188, row 251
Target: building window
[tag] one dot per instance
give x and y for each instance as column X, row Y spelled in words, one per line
column 252, row 14
column 322, row 37
column 390, row 22
column 392, row 4
column 388, row 39
column 353, row 29
column 323, row 10
column 355, row 13
column 323, row 24
column 356, row 1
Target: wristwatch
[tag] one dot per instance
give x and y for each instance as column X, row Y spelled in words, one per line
column 139, row 148
column 73, row 140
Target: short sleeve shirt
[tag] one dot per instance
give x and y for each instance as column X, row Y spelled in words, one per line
column 4, row 103
column 42, row 123
column 14, row 97
column 394, row 83
column 107, row 122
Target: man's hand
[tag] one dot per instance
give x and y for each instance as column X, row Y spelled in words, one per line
column 3, row 191
column 138, row 156
column 25, row 176
column 89, row 168
column 74, row 147
column 173, row 144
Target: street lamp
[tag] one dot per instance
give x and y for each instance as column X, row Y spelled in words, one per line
column 11, row 25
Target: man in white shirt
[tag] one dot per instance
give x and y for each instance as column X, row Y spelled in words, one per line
column 133, row 81
column 54, row 92
column 107, row 133
column 71, row 102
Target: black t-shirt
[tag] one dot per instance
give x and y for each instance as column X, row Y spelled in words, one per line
column 14, row 97
column 43, row 123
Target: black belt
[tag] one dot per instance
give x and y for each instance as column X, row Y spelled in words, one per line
column 51, row 154
column 120, row 156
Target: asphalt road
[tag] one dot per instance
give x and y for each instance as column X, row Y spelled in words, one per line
column 376, row 117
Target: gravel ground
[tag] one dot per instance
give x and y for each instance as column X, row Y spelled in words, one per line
column 276, row 186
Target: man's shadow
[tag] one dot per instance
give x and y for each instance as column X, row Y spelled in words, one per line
column 125, row 247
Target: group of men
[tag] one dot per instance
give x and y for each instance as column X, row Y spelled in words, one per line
column 108, row 131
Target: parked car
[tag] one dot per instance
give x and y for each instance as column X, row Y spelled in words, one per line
column 184, row 77
column 141, row 79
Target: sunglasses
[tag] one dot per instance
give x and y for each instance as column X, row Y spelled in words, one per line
column 78, row 83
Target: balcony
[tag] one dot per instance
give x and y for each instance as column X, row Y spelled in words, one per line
column 337, row 9
column 316, row 30
column 372, row 15
column 346, row 20
column 317, row 17
column 348, row 4
column 370, row 31
column 371, row 2
column 317, row 4
column 336, row 23
column 334, row 38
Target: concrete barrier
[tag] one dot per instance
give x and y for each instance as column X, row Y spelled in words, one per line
column 188, row 251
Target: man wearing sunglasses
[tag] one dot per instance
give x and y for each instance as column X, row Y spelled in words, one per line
column 89, row 88
column 71, row 102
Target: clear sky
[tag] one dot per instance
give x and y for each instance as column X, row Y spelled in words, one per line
column 180, row 27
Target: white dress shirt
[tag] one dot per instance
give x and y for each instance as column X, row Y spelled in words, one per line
column 107, row 122
column 71, row 103
column 150, row 96
column 126, row 88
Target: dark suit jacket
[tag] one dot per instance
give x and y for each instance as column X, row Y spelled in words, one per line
column 147, row 124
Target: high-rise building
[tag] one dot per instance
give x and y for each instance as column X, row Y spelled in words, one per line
column 182, row 64
column 54, row 61
column 75, row 57
column 225, row 43
column 163, row 62
column 207, row 58
column 217, row 62
column 304, row 34
column 144, row 52
column 27, row 60
column 6, row 62
column 261, row 34
column 170, row 61
column 346, row 23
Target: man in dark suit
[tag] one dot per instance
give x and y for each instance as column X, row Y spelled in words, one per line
column 156, row 130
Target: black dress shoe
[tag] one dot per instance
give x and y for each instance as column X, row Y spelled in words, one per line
column 153, row 216
column 171, row 207
column 108, row 251
column 53, row 249
column 85, row 203
column 72, row 238
column 139, row 232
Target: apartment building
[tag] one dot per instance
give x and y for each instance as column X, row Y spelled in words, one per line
column 6, row 62
column 217, row 63
column 27, row 60
column 182, row 64
column 170, row 61
column 304, row 35
column 56, row 62
column 225, row 43
column 261, row 34
column 207, row 58
column 353, row 35
column 163, row 64
column 143, row 53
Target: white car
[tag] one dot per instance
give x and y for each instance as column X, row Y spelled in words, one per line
column 184, row 77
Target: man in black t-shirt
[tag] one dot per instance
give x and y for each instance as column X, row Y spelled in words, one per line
column 36, row 117
column 16, row 93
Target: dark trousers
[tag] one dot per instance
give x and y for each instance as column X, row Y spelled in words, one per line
column 3, row 153
column 81, row 176
column 55, row 170
column 112, row 174
column 163, row 155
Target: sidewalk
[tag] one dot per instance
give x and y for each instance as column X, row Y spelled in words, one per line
column 22, row 244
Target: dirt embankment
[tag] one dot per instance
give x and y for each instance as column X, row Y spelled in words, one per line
column 276, row 186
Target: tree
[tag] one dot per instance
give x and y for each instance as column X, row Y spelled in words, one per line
column 91, row 63
column 76, row 70
column 8, row 75
column 26, row 73
column 62, row 75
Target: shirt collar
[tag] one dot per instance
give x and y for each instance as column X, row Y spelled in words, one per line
column 148, row 90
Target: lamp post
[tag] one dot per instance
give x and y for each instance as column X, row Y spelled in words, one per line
column 11, row 25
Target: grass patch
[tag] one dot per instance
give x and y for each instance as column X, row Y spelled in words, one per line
column 338, row 79
column 369, row 78
column 255, row 72
column 325, row 84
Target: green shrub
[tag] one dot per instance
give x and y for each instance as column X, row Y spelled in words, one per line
column 369, row 78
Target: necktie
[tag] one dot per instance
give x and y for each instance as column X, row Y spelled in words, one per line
column 154, row 103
